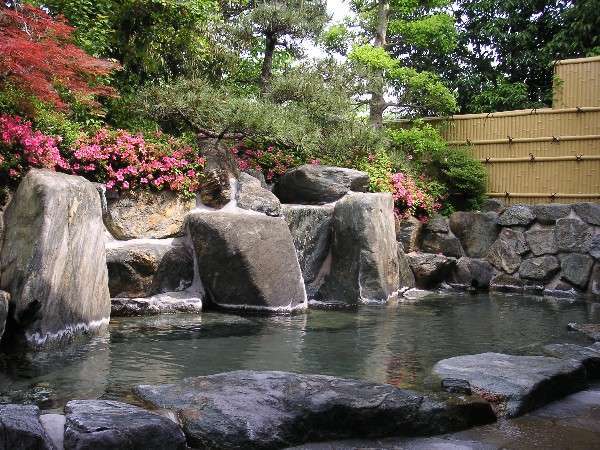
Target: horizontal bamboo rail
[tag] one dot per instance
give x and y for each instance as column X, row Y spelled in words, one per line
column 511, row 140
column 576, row 61
column 532, row 158
column 541, row 195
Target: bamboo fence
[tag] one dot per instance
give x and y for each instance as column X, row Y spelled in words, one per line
column 540, row 155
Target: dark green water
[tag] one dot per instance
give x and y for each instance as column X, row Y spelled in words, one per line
column 396, row 344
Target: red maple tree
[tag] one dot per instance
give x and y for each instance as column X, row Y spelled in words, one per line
column 37, row 54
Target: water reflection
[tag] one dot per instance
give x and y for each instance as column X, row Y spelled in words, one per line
column 397, row 344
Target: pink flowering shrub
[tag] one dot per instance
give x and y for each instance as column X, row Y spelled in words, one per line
column 127, row 161
column 410, row 199
column 21, row 148
column 272, row 162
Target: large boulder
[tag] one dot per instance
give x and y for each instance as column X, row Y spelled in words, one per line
column 408, row 233
column 541, row 269
column 573, row 235
column 267, row 410
column 549, row 213
column 53, row 261
column 253, row 196
column 310, row 226
column 105, row 425
column 541, row 241
column 313, row 183
column 576, row 268
column 175, row 271
column 147, row 214
column 473, row 272
column 515, row 384
column 364, row 252
column 4, row 301
column 437, row 238
column 21, row 429
column 476, row 231
column 588, row 212
column 247, row 261
column 516, row 215
column 430, row 269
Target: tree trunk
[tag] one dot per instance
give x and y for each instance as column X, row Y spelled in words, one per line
column 267, row 64
column 377, row 104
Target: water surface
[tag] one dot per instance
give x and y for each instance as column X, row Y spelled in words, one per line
column 396, row 344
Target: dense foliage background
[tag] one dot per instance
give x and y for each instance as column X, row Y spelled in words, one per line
column 132, row 92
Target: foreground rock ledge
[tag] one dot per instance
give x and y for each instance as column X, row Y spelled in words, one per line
column 515, row 384
column 264, row 410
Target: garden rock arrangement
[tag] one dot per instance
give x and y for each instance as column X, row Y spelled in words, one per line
column 544, row 249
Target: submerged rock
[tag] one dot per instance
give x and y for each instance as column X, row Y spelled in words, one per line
column 310, row 226
column 20, row 428
column 364, row 252
column 53, row 261
column 591, row 330
column 165, row 303
column 313, row 183
column 515, row 384
column 430, row 269
column 476, row 231
column 103, row 424
column 247, row 261
column 147, row 214
column 265, row 410
column 253, row 196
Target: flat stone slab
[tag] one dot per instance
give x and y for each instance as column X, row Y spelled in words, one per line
column 20, row 428
column 246, row 409
column 515, row 384
column 104, row 425
column 591, row 330
column 167, row 303
column 588, row 356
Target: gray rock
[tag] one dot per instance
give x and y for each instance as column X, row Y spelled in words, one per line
column 454, row 386
column 588, row 212
column 165, row 303
column 310, row 226
column 54, row 426
column 430, row 270
column 445, row 244
column 515, row 384
column 408, row 233
column 437, row 224
column 247, row 261
column 573, row 235
column 312, row 183
column 266, row 410
column 576, row 268
column 506, row 283
column 542, row 268
column 561, row 289
column 216, row 189
column 594, row 284
column 4, row 301
column 175, row 271
column 595, row 247
column 364, row 252
column 516, row 238
column 476, row 231
column 549, row 213
column 591, row 330
column 541, row 241
column 405, row 273
column 493, row 205
column 259, row 176
column 104, row 425
column 147, row 214
column 20, row 429
column 473, row 272
column 53, row 261
column 251, row 195
column 516, row 215
column 503, row 256
column 132, row 266
column 588, row 356
column 416, row 294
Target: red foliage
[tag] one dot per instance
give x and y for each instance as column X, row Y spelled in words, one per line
column 37, row 53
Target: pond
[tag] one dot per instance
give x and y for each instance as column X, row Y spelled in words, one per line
column 396, row 344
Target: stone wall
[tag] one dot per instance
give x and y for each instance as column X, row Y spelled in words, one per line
column 550, row 249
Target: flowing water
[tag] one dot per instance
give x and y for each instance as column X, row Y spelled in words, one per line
column 396, row 344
